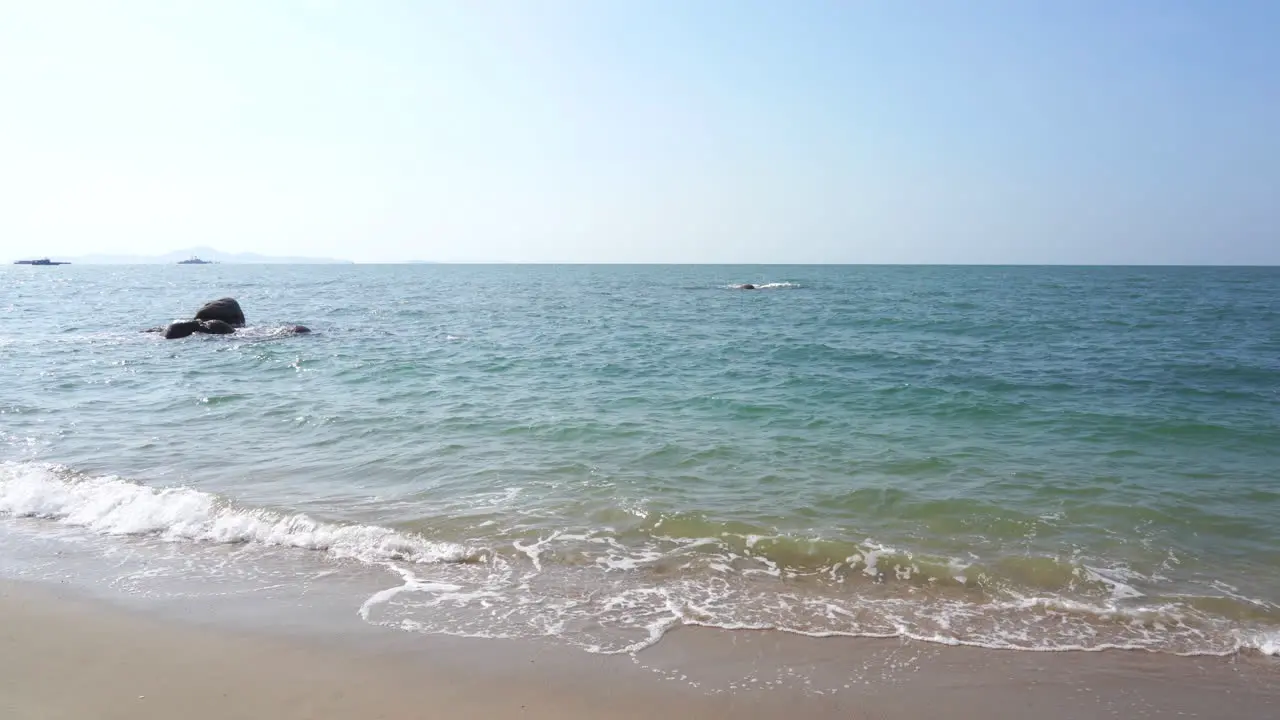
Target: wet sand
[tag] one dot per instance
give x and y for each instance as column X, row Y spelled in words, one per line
column 65, row 656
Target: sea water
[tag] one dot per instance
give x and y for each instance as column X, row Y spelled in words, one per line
column 1012, row 457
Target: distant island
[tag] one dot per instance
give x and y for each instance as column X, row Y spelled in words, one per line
column 205, row 256
column 41, row 261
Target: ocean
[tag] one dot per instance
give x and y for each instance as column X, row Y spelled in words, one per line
column 1017, row 458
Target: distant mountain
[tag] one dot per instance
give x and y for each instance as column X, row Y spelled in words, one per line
column 204, row 253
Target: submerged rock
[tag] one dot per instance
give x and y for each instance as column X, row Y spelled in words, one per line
column 215, row 327
column 181, row 329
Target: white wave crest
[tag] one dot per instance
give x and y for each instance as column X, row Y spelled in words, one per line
column 113, row 506
column 1267, row 643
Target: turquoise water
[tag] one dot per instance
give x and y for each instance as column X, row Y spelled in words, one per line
column 1023, row 458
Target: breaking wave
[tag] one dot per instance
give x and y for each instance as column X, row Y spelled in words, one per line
column 113, row 506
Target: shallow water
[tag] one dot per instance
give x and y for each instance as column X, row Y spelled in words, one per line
column 1025, row 458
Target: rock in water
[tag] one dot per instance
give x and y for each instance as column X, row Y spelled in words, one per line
column 747, row 286
column 225, row 309
column 220, row 317
column 181, row 329
column 215, row 327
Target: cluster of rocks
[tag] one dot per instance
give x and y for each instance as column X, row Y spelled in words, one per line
column 220, row 317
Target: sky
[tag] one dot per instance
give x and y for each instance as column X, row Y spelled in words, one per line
column 1092, row 132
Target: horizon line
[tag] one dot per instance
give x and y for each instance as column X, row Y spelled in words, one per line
column 302, row 260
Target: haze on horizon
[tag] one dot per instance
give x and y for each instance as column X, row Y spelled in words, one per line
column 1092, row 132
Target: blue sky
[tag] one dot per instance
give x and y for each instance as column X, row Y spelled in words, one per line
column 659, row 131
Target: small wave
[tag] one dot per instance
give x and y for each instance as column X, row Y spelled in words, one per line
column 1267, row 643
column 627, row 614
column 268, row 332
column 110, row 505
column 607, row 597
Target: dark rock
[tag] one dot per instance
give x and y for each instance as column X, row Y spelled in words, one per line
column 225, row 309
column 215, row 327
column 746, row 286
column 220, row 317
column 181, row 329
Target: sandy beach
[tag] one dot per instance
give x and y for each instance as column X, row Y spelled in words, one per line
column 65, row 656
column 69, row 658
